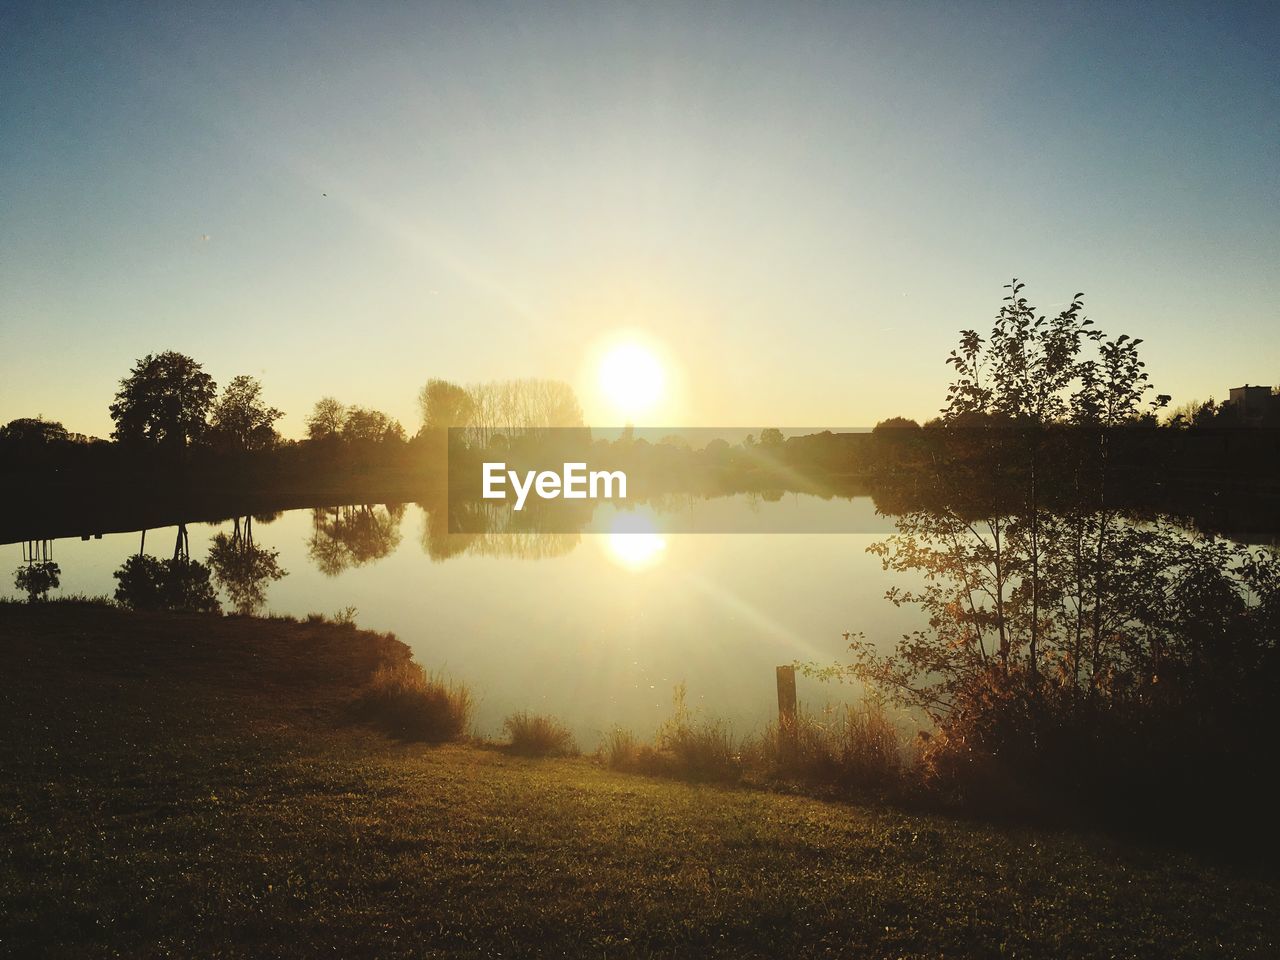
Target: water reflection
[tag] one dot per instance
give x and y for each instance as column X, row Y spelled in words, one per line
column 489, row 530
column 144, row 582
column 633, row 541
column 599, row 635
column 243, row 569
column 38, row 573
column 353, row 535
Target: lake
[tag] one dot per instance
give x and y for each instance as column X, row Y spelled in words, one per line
column 596, row 628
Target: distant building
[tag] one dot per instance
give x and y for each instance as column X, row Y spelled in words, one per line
column 1253, row 403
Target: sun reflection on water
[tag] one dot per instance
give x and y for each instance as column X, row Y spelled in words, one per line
column 633, row 541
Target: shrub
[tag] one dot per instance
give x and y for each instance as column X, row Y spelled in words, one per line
column 685, row 748
column 852, row 745
column 145, row 582
column 37, row 579
column 620, row 749
column 535, row 735
column 699, row 751
column 410, row 703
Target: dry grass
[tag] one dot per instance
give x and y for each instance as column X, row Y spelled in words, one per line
column 409, row 703
column 854, row 745
column 536, row 735
column 686, row 747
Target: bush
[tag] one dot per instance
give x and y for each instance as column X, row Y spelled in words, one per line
column 620, row 749
column 534, row 735
column 852, row 745
column 145, row 582
column 684, row 748
column 411, row 704
column 37, row 579
column 701, row 751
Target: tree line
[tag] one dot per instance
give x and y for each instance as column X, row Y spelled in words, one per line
column 168, row 402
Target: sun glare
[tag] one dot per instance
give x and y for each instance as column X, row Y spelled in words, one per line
column 631, row 378
column 633, row 542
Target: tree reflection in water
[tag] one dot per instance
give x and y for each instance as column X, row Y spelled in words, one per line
column 490, row 530
column 353, row 535
column 242, row 568
column 145, row 582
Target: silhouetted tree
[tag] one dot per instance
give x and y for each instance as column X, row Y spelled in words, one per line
column 36, row 579
column 240, row 420
column 326, row 419
column 1197, row 414
column 895, row 423
column 897, row 443
column 164, row 401
column 516, row 408
column 444, row 405
column 1068, row 641
column 370, row 426
column 985, row 585
column 770, row 437
column 33, row 431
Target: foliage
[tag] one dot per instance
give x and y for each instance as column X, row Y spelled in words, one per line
column 241, row 420
column 33, row 431
column 407, row 702
column 697, row 748
column 685, row 746
column 537, row 735
column 331, row 420
column 1075, row 646
column 370, row 426
column 771, row 437
column 444, row 405
column 326, row 419
column 621, row 749
column 351, row 536
column 145, row 582
column 242, row 568
column 37, row 579
column 511, row 408
column 164, row 401
column 1034, row 369
column 346, row 617
column 1193, row 413
column 853, row 745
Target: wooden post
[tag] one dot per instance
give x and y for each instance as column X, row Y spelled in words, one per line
column 787, row 709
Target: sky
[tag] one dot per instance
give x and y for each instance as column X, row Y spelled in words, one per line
column 796, row 206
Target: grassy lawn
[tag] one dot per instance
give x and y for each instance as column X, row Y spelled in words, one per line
column 180, row 785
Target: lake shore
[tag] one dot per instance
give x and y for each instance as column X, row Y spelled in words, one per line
column 180, row 784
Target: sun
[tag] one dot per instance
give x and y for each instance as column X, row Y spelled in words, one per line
column 631, row 378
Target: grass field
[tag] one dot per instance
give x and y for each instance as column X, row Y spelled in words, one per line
column 193, row 786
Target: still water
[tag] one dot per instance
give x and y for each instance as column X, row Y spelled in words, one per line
column 596, row 628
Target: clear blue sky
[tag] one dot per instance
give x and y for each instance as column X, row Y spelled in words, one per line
column 798, row 205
